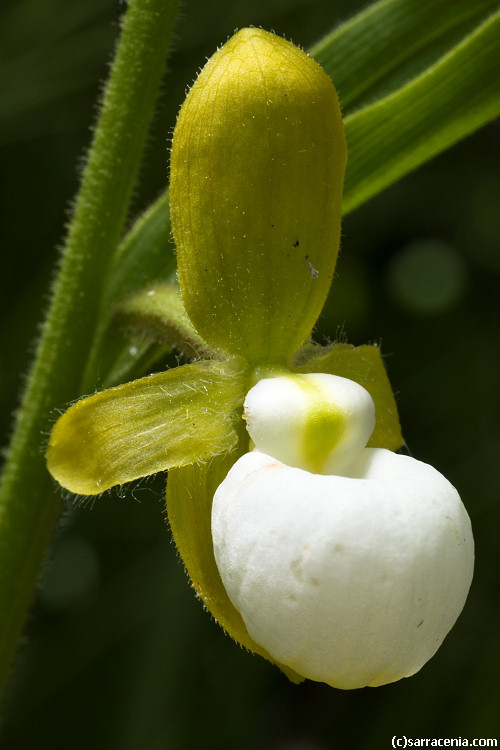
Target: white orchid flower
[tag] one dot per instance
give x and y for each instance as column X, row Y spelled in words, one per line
column 352, row 578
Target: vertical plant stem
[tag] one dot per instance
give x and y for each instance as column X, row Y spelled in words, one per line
column 29, row 504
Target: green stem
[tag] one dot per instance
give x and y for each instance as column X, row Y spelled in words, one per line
column 29, row 503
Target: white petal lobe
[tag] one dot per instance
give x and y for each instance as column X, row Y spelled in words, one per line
column 314, row 421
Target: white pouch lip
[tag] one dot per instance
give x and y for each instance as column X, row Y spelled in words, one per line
column 351, row 580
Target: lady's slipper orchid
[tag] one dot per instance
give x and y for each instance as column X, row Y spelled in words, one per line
column 257, row 166
column 352, row 578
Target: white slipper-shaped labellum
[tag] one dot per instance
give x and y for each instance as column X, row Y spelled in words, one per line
column 352, row 580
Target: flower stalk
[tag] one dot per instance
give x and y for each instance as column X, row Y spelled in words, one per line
column 29, row 505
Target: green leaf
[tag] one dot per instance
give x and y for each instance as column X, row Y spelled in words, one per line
column 145, row 254
column 190, row 492
column 131, row 356
column 168, row 419
column 390, row 42
column 452, row 99
column 364, row 365
column 158, row 314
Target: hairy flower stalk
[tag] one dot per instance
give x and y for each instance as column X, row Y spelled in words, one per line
column 324, row 552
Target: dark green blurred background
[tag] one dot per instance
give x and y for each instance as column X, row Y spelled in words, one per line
column 118, row 652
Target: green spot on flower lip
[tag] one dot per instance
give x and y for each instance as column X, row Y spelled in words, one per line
column 323, row 427
column 363, row 365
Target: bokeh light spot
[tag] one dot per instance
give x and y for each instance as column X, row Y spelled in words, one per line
column 427, row 277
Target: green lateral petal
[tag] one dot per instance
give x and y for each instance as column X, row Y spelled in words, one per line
column 169, row 419
column 365, row 366
column 157, row 313
column 190, row 491
column 257, row 167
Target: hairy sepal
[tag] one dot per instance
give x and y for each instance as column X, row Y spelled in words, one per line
column 257, row 167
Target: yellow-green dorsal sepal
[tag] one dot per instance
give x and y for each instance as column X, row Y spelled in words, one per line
column 257, row 167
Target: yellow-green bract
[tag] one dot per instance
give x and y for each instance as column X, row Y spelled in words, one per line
column 257, row 167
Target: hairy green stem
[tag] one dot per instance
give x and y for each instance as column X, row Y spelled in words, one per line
column 29, row 504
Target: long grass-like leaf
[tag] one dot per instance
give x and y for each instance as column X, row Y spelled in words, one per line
column 452, row 99
column 392, row 41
